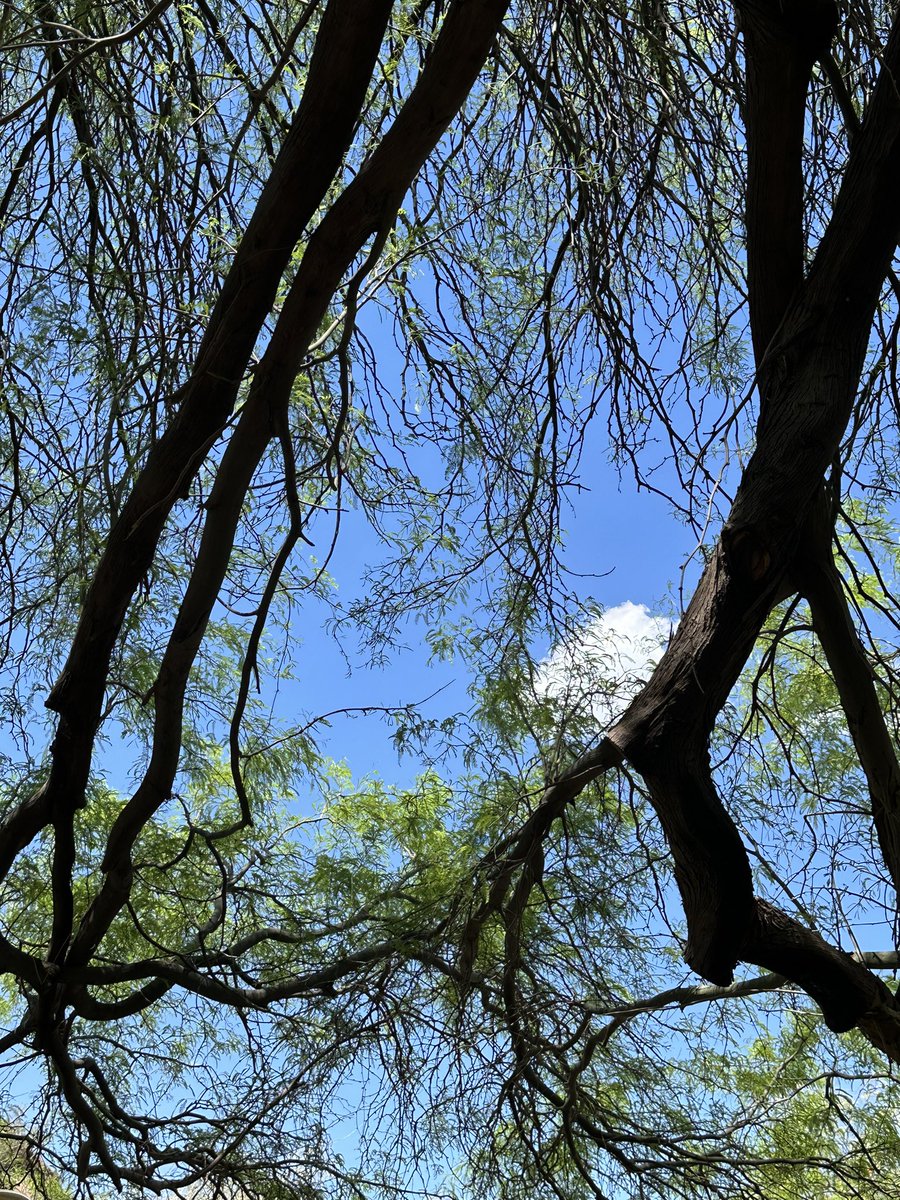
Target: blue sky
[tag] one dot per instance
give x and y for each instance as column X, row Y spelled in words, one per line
column 623, row 547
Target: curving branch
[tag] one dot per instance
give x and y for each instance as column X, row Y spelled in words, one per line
column 821, row 583
column 815, row 359
column 812, row 334
column 339, row 73
column 367, row 207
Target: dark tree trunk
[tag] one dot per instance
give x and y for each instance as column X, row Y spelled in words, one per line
column 810, row 333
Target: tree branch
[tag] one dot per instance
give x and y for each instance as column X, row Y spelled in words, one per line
column 821, row 584
column 782, row 41
column 686, row 997
column 367, row 205
column 341, row 66
column 815, row 357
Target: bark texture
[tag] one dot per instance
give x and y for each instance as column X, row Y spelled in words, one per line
column 810, row 331
column 809, row 334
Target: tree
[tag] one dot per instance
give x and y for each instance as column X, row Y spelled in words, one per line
column 207, row 203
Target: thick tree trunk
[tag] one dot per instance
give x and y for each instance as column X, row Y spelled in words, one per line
column 811, row 337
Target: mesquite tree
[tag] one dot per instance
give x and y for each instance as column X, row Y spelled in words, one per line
column 275, row 269
column 810, row 330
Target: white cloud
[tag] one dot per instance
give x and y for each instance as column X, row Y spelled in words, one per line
column 603, row 665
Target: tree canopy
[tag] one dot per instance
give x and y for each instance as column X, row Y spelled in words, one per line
column 408, row 275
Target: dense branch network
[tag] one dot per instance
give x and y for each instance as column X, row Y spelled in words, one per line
column 810, row 335
column 210, row 199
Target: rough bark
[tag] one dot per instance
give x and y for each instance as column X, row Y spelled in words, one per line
column 810, row 335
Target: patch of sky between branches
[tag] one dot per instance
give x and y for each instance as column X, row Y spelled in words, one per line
column 605, row 663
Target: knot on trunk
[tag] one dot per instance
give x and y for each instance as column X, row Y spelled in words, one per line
column 746, row 552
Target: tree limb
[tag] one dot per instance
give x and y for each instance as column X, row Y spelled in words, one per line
column 821, row 584
column 686, row 997
column 367, row 205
